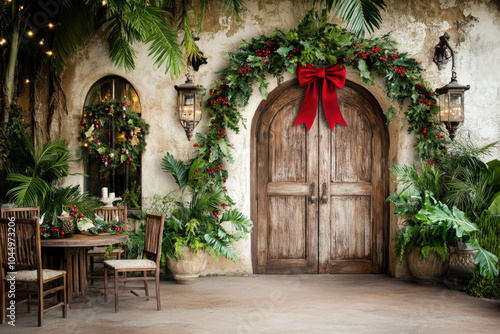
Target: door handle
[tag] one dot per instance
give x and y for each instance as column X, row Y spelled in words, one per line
column 313, row 198
column 324, row 196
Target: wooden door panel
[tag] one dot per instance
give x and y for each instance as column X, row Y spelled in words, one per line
column 286, row 167
column 351, row 158
column 350, row 227
column 352, row 177
column 287, row 227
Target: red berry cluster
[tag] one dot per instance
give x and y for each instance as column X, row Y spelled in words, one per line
column 401, row 70
column 262, row 53
column 394, row 56
column 243, row 70
column 439, row 136
column 222, row 204
column 425, row 101
column 221, row 133
column 219, row 99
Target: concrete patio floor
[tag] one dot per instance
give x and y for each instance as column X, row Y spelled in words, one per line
column 281, row 304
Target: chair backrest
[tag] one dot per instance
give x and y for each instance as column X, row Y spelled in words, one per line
column 20, row 244
column 21, row 213
column 153, row 237
column 109, row 214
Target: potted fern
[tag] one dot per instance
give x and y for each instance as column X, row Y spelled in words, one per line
column 200, row 223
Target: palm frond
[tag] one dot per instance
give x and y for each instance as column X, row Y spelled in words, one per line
column 222, row 248
column 239, row 221
column 120, row 48
column 358, row 15
column 76, row 24
column 29, row 191
column 176, row 168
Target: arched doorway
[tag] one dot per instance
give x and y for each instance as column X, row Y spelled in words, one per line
column 319, row 196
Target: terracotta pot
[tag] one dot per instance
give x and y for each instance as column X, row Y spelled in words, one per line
column 189, row 266
column 430, row 269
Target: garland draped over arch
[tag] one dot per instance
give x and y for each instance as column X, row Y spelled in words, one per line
column 319, row 43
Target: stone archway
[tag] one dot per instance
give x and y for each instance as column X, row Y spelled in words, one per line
column 319, row 196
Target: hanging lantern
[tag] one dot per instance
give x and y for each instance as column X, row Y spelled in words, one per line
column 189, row 105
column 451, row 96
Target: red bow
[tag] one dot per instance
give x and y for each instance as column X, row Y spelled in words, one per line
column 309, row 75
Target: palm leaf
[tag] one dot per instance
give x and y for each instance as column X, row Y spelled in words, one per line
column 29, row 191
column 240, row 221
column 358, row 15
column 176, row 168
column 220, row 247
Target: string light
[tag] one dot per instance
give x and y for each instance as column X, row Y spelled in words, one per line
column 104, row 2
column 30, row 33
column 51, row 25
column 41, row 42
column 21, row 7
column 3, row 41
column 85, row 144
column 27, row 81
column 50, row 53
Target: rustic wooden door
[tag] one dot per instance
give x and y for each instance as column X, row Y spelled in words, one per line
column 319, row 194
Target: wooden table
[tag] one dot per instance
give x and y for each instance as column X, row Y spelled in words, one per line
column 75, row 259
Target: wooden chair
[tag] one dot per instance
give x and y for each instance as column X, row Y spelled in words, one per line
column 27, row 264
column 108, row 214
column 21, row 213
column 152, row 247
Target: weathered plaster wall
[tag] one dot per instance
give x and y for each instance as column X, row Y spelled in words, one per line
column 474, row 27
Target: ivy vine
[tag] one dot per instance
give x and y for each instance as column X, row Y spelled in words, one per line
column 319, row 43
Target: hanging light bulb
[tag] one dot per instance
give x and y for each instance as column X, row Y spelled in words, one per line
column 3, row 41
column 41, row 42
column 49, row 53
column 30, row 33
column 104, row 2
column 51, row 25
column 27, row 81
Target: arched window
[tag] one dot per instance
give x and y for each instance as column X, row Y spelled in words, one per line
column 125, row 176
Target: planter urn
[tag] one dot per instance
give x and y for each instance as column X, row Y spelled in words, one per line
column 189, row 266
column 429, row 270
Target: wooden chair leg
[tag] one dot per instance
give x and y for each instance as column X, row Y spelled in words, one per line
column 28, row 288
column 91, row 270
column 146, row 288
column 116, row 292
column 65, row 298
column 40, row 305
column 157, row 282
column 105, row 284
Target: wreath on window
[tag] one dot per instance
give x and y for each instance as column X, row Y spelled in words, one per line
column 129, row 130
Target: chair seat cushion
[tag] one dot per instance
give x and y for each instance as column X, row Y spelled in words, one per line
column 31, row 275
column 102, row 250
column 132, row 263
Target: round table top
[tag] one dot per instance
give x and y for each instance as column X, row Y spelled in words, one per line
column 86, row 240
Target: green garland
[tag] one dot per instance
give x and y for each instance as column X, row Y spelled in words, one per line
column 128, row 145
column 319, row 43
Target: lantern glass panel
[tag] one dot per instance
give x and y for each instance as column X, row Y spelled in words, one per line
column 444, row 108
column 456, row 107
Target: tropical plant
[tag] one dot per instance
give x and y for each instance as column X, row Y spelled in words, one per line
column 200, row 221
column 470, row 184
column 430, row 224
column 359, row 16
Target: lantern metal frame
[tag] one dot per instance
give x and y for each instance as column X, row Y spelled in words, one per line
column 451, row 96
column 189, row 104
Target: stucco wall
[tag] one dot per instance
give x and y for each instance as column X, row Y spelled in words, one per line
column 416, row 25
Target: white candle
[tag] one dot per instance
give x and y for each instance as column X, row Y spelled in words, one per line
column 111, row 195
column 104, row 192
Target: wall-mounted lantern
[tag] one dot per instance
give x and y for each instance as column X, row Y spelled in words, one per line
column 189, row 104
column 451, row 96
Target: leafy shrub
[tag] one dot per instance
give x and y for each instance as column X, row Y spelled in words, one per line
column 489, row 237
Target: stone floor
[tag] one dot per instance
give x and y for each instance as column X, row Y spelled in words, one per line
column 281, row 304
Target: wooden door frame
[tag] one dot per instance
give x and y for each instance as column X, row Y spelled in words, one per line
column 275, row 94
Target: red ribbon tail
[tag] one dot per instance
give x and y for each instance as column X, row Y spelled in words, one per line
column 331, row 105
column 309, row 107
